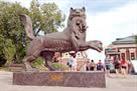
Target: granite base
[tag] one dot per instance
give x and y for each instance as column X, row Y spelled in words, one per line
column 67, row 79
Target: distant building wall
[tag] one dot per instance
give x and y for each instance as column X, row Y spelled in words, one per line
column 124, row 47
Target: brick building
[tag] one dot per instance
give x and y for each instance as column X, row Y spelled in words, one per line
column 123, row 47
column 80, row 56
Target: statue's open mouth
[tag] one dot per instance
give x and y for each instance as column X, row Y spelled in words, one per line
column 96, row 45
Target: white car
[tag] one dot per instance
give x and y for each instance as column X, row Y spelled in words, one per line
column 134, row 63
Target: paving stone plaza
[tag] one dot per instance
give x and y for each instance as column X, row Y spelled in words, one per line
column 114, row 83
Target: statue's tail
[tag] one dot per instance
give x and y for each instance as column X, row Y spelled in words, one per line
column 26, row 21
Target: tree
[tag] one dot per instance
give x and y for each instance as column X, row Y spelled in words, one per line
column 11, row 31
column 46, row 17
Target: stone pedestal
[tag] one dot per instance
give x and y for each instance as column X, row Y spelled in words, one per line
column 68, row 79
column 16, row 67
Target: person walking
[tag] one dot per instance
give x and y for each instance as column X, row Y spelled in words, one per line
column 72, row 62
column 124, row 67
column 92, row 65
column 100, row 66
column 88, row 65
column 117, row 66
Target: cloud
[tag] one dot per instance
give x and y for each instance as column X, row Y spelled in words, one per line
column 107, row 26
column 106, row 19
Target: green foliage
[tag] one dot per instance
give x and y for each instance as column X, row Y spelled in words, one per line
column 2, row 60
column 45, row 17
column 39, row 61
column 9, row 50
column 39, row 64
column 11, row 31
column 59, row 67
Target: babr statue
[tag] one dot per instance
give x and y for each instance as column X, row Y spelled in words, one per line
column 71, row 39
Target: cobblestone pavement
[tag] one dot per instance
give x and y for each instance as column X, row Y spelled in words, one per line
column 114, row 83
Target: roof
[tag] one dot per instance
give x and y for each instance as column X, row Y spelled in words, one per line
column 126, row 40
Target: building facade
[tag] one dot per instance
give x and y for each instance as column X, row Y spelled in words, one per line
column 81, row 58
column 123, row 48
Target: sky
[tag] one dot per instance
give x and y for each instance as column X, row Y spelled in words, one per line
column 106, row 19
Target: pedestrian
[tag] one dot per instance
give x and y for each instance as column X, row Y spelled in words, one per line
column 117, row 66
column 124, row 67
column 92, row 65
column 88, row 65
column 130, row 67
column 112, row 67
column 72, row 62
column 57, row 57
column 100, row 66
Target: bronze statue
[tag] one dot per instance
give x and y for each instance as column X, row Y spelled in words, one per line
column 71, row 39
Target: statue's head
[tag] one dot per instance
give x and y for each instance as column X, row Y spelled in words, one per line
column 77, row 12
column 78, row 24
column 77, row 27
column 77, row 20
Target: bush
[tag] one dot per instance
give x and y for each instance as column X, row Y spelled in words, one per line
column 2, row 61
column 59, row 67
column 39, row 64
